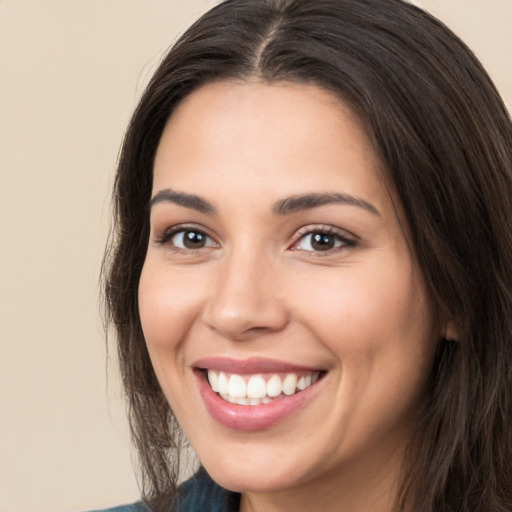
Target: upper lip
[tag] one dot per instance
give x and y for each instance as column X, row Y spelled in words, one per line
column 250, row 366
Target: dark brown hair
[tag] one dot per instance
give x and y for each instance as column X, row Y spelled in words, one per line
column 445, row 139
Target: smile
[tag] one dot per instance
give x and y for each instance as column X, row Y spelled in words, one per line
column 255, row 394
column 259, row 389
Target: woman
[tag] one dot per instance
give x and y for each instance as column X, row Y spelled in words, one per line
column 310, row 276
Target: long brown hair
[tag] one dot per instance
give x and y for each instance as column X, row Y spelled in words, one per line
column 439, row 126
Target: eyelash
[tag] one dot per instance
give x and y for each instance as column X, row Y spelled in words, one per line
column 169, row 234
column 329, row 231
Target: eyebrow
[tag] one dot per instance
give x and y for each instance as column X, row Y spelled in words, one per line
column 283, row 207
column 314, row 200
column 180, row 198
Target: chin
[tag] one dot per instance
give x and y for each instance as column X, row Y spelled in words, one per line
column 254, row 477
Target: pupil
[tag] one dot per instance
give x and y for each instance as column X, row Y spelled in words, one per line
column 322, row 242
column 193, row 239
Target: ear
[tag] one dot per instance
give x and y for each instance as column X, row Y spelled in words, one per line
column 450, row 331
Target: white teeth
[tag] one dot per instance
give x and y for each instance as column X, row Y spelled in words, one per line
column 256, row 387
column 223, row 384
column 244, row 390
column 213, row 379
column 230, row 398
column 237, row 387
column 274, row 386
column 290, row 384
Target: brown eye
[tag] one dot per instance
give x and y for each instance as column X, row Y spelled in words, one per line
column 321, row 241
column 191, row 239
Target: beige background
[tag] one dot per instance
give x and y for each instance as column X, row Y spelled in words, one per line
column 70, row 74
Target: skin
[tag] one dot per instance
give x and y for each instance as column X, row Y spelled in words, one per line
column 258, row 288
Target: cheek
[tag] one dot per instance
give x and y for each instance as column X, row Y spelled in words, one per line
column 382, row 304
column 168, row 307
column 380, row 325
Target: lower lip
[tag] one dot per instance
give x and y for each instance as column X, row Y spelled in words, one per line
column 252, row 417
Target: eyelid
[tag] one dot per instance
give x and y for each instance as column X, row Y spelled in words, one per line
column 167, row 234
column 348, row 239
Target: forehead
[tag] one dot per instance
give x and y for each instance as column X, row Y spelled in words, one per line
column 282, row 127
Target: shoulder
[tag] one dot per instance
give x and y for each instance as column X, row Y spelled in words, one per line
column 134, row 507
column 198, row 494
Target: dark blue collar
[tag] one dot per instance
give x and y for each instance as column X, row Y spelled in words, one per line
column 200, row 493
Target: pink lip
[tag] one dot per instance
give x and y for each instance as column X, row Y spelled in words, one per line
column 249, row 366
column 251, row 417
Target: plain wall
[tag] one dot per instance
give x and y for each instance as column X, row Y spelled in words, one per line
column 70, row 74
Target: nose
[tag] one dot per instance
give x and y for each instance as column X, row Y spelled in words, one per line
column 246, row 301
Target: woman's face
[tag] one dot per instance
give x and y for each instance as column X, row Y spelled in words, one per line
column 277, row 264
